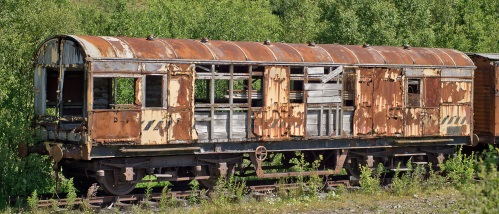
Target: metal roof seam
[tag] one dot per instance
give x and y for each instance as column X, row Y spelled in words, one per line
column 170, row 46
column 438, row 56
column 384, row 59
column 245, row 55
column 467, row 57
column 448, row 56
column 355, row 55
column 212, row 53
column 301, row 56
column 273, row 54
column 409, row 55
column 129, row 46
column 329, row 55
column 112, row 46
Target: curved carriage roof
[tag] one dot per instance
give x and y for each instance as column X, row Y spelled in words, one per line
column 105, row 47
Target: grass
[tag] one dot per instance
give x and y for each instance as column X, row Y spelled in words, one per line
column 419, row 190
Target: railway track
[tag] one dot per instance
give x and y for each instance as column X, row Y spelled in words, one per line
column 127, row 201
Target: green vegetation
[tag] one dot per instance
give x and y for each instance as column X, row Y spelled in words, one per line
column 464, row 25
column 417, row 188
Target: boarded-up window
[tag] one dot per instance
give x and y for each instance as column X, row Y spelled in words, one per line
column 414, row 93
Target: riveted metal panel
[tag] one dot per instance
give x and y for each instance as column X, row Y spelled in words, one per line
column 455, row 120
column 394, row 55
column 363, row 116
column 225, row 50
column 388, row 102
column 181, row 103
column 312, row 53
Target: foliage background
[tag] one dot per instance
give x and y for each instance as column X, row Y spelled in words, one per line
column 469, row 26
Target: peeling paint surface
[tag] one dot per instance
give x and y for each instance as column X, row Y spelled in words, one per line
column 363, row 116
column 116, row 126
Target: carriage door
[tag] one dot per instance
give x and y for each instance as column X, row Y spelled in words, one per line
column 271, row 121
column 154, row 113
column 388, row 102
column 423, row 92
column 363, row 124
column 180, row 121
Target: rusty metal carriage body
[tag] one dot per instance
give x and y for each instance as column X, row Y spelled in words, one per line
column 196, row 97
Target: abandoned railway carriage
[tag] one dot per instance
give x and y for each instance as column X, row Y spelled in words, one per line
column 114, row 109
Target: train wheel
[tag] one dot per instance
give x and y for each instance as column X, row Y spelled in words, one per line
column 114, row 187
column 352, row 167
column 82, row 183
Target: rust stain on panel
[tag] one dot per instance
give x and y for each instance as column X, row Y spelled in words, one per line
column 296, row 119
column 363, row 121
column 412, row 122
column 387, row 95
column 430, row 120
column 432, row 91
column 271, row 122
column 116, row 126
column 455, row 120
column 181, row 102
column 456, row 92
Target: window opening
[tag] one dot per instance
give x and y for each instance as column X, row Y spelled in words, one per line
column 154, row 91
column 349, row 88
column 201, row 94
column 72, row 94
column 414, row 92
column 51, row 90
column 115, row 93
column 296, row 91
